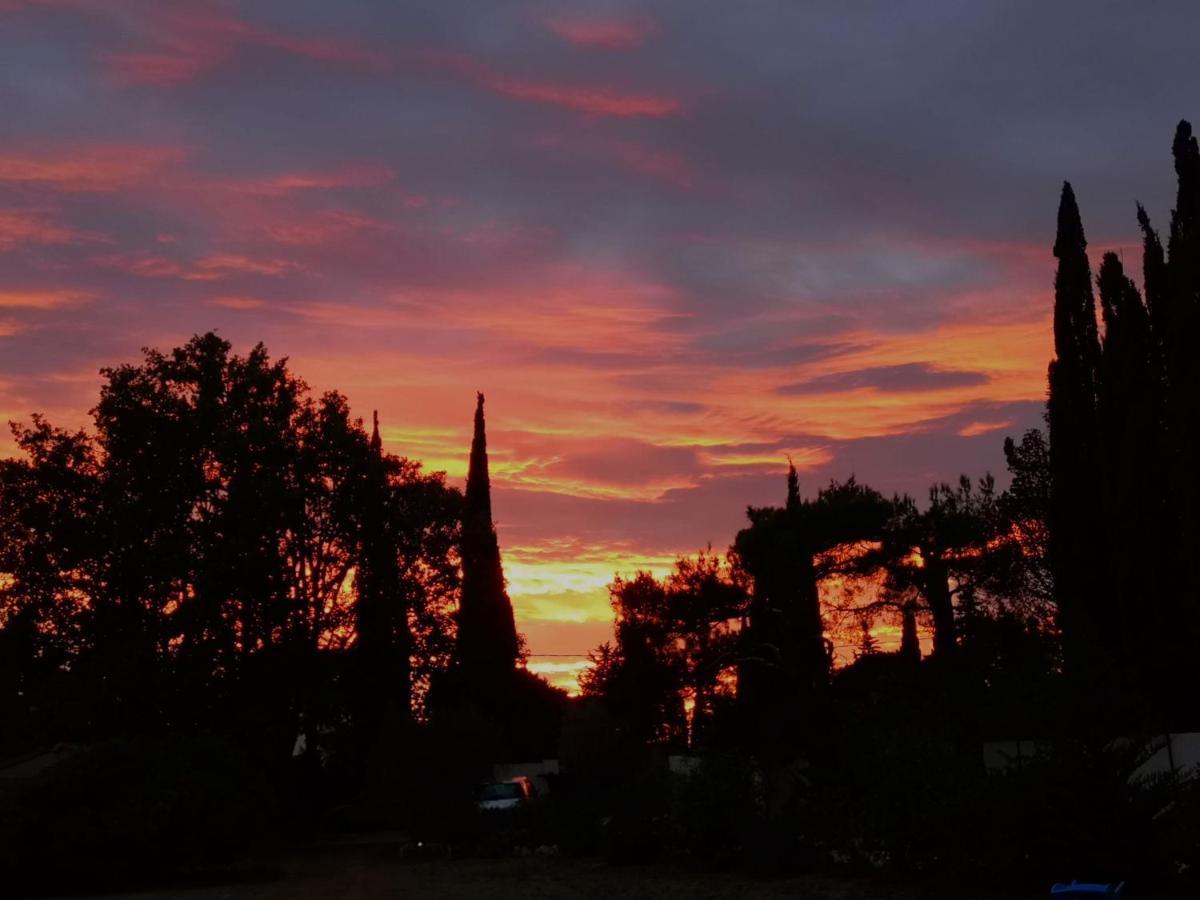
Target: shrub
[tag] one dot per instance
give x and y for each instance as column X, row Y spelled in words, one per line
column 714, row 809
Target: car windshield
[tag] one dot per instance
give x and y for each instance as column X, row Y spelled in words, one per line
column 505, row 791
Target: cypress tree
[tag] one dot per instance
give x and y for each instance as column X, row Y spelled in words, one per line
column 1130, row 429
column 1183, row 285
column 384, row 643
column 1075, row 535
column 487, row 646
column 785, row 659
column 1154, row 280
column 1182, row 421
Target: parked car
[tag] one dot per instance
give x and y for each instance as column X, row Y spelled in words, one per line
column 502, row 795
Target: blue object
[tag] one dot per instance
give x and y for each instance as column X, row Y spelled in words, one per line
column 1087, row 891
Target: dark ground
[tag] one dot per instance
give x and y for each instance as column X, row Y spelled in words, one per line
column 379, row 870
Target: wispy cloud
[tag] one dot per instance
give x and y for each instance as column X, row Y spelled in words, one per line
column 87, row 168
column 41, row 299
column 603, row 34
column 591, row 99
column 206, row 268
column 176, row 45
column 598, row 101
column 32, row 226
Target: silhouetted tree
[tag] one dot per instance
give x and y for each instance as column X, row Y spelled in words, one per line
column 192, row 564
column 910, row 642
column 406, row 580
column 49, row 528
column 937, row 556
column 1136, row 512
column 639, row 675
column 706, row 606
column 1023, row 572
column 487, row 646
column 675, row 648
column 785, row 655
column 1124, row 518
column 868, row 644
column 1076, row 532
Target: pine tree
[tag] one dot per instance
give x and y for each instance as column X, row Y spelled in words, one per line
column 1075, row 536
column 487, row 646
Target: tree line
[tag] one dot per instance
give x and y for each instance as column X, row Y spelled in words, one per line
column 1079, row 577
column 225, row 550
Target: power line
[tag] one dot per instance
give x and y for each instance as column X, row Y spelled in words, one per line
column 883, row 641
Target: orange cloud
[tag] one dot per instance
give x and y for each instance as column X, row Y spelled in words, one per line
column 87, row 169
column 40, row 299
column 208, row 268
column 603, row 34
column 974, row 429
column 24, row 226
column 803, row 458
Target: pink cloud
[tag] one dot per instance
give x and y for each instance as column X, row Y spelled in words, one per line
column 589, row 99
column 165, row 68
column 239, row 303
column 349, row 176
column 208, row 268
column 328, row 228
column 183, row 45
column 660, row 165
column 602, row 34
column 598, row 101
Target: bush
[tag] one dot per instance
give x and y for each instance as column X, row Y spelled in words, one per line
column 714, row 810
column 425, row 778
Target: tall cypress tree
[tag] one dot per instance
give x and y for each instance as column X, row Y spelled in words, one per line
column 1075, row 534
column 1130, row 419
column 1154, row 280
column 785, row 660
column 1182, row 420
column 1183, row 286
column 384, row 641
column 487, row 646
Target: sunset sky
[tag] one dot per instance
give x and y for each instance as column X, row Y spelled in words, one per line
column 673, row 242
